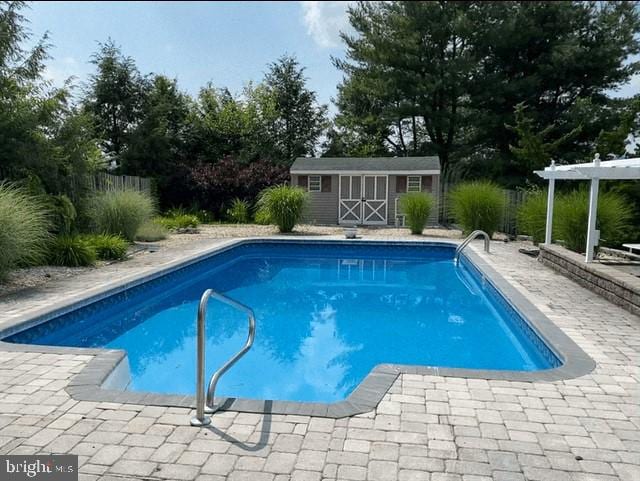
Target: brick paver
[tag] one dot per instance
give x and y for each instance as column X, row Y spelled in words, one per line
column 426, row 428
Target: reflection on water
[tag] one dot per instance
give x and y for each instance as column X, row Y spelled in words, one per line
column 317, row 369
column 322, row 356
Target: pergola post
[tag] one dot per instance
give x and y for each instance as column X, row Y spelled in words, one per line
column 592, row 234
column 550, row 197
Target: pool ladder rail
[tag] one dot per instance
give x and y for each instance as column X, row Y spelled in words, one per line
column 467, row 241
column 205, row 401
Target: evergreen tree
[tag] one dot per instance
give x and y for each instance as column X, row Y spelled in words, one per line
column 408, row 61
column 115, row 98
column 289, row 111
column 157, row 142
column 549, row 56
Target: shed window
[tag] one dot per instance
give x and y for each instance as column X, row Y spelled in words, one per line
column 414, row 183
column 315, row 183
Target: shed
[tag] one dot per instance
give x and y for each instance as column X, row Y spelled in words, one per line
column 364, row 190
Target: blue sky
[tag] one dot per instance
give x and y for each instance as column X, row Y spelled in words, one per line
column 227, row 43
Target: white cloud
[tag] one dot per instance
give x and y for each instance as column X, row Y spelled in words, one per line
column 59, row 70
column 325, row 21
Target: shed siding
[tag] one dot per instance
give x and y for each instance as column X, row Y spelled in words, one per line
column 323, row 206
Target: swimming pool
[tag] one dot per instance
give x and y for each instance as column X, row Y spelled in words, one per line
column 327, row 314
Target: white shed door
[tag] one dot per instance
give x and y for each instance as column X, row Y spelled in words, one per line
column 350, row 202
column 363, row 199
column 374, row 201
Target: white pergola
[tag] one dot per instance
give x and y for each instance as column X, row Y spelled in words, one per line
column 620, row 169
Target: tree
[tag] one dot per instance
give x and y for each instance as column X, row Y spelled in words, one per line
column 624, row 138
column 346, row 142
column 42, row 138
column 408, row 68
column 157, row 143
column 75, row 152
column 224, row 125
column 115, row 97
column 533, row 150
column 447, row 76
column 291, row 117
column 549, row 56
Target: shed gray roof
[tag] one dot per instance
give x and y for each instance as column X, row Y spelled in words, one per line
column 365, row 164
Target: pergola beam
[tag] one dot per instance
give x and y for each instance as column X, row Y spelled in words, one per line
column 614, row 173
column 586, row 173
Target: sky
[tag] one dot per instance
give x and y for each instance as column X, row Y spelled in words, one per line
column 227, row 43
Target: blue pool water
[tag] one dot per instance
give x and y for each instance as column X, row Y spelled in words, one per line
column 326, row 315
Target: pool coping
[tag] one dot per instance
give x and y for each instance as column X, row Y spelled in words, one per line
column 89, row 383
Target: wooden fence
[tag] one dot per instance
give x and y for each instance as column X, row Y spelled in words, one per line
column 513, row 199
column 103, row 182
column 80, row 186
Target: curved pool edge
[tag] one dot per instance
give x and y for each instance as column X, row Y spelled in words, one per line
column 89, row 383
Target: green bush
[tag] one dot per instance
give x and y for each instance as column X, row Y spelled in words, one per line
column 614, row 218
column 262, row 217
column 121, row 213
column 239, row 211
column 151, row 231
column 416, row 207
column 204, row 216
column 63, row 214
column 477, row 205
column 24, row 225
column 532, row 216
column 284, row 204
column 107, row 246
column 178, row 221
column 71, row 251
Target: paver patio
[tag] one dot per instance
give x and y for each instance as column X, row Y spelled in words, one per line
column 426, row 428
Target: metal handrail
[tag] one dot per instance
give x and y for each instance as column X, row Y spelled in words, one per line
column 204, row 402
column 466, row 242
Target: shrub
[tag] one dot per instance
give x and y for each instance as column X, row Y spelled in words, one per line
column 613, row 218
column 63, row 214
column 284, row 205
column 204, row 216
column 416, row 207
column 24, row 227
column 477, row 205
column 107, row 246
column 239, row 211
column 71, row 251
column 214, row 186
column 121, row 213
column 151, row 231
column 532, row 216
column 178, row 221
column 262, row 217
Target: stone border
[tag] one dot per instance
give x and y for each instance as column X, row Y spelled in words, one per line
column 614, row 285
column 107, row 364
